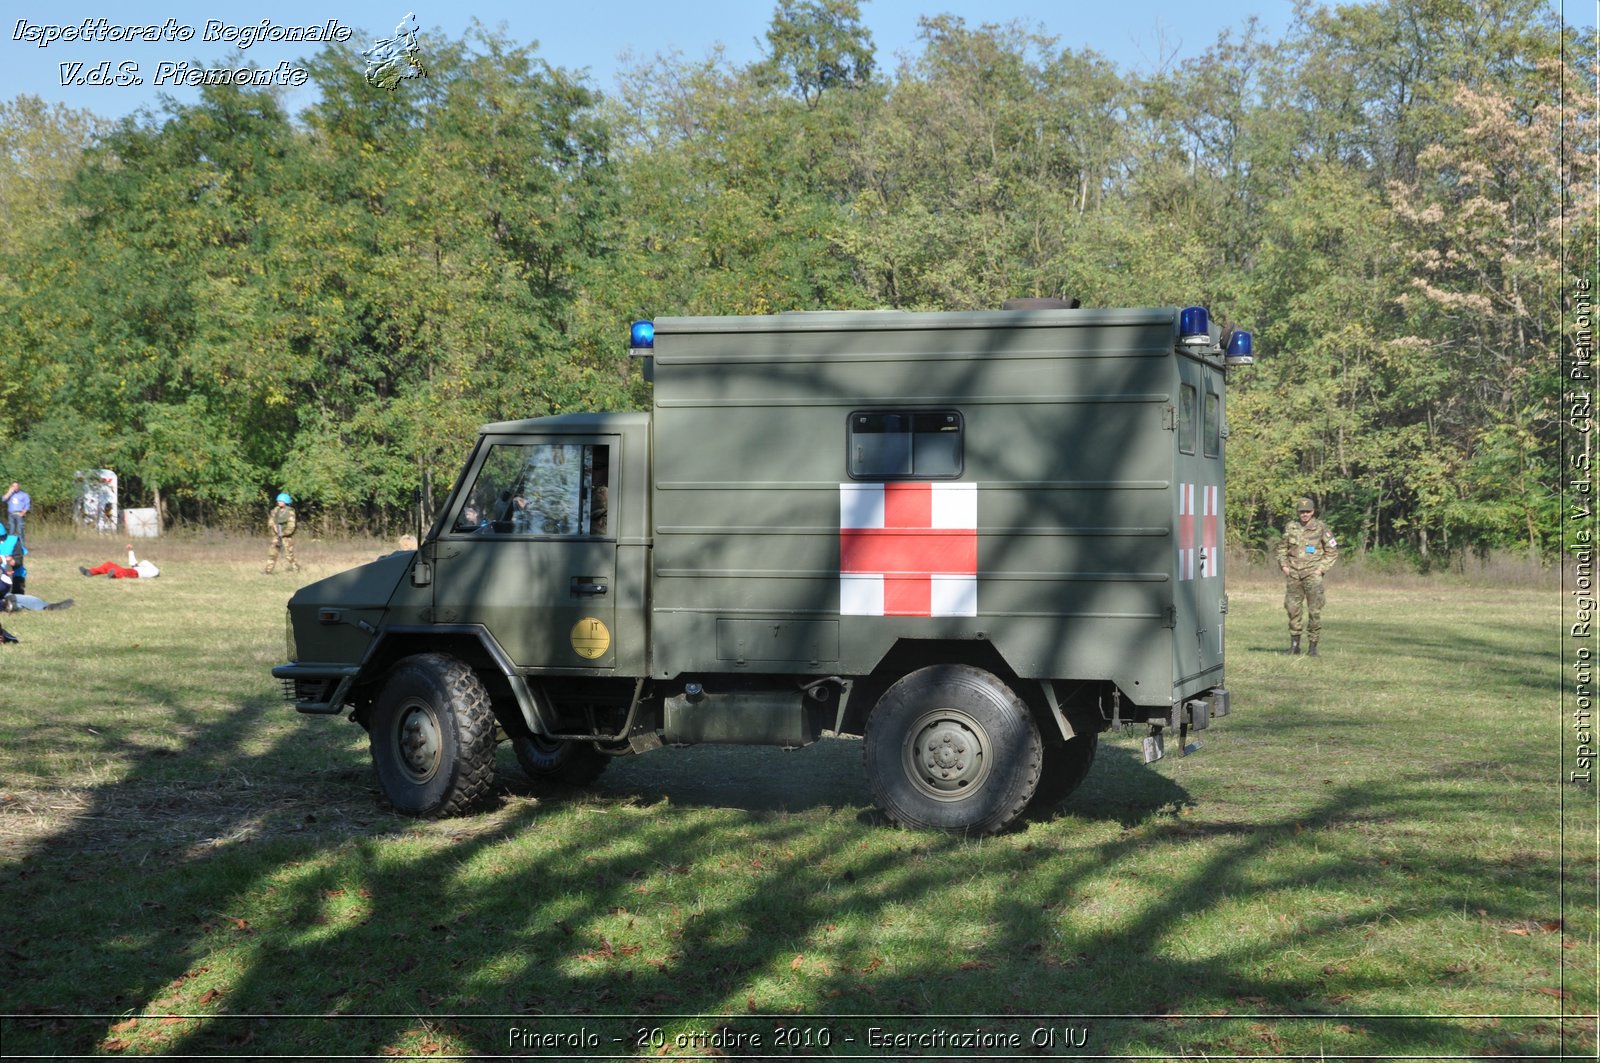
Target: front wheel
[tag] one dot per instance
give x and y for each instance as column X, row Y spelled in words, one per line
column 432, row 735
column 559, row 760
column 951, row 747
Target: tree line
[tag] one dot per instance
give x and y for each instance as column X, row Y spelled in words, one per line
column 221, row 299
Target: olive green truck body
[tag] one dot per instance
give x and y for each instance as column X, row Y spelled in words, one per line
column 977, row 539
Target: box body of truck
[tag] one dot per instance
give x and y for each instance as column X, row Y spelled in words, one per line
column 977, row 539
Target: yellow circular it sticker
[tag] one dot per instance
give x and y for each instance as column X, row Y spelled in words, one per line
column 590, row 638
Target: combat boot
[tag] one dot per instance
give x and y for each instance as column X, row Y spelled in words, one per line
column 1294, row 645
column 1311, row 651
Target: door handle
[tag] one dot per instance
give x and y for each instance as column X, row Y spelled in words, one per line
column 588, row 588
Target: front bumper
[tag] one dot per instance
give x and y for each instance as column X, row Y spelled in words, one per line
column 318, row 689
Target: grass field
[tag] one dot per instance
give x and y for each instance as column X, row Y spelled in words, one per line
column 1364, row 861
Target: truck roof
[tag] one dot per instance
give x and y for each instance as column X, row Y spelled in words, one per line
column 576, row 423
column 869, row 320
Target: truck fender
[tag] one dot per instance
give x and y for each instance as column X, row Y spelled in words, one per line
column 400, row 641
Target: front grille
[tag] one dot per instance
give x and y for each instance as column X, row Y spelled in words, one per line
column 306, row 691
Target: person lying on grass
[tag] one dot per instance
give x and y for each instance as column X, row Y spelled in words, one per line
column 12, row 597
column 134, row 569
column 13, row 602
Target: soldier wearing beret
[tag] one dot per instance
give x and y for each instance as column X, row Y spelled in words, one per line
column 1306, row 551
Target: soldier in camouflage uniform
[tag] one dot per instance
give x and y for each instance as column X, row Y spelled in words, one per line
column 280, row 522
column 1306, row 551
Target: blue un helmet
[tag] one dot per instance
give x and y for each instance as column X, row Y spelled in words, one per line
column 283, row 497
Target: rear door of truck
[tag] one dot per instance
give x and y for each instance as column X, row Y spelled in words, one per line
column 1197, row 524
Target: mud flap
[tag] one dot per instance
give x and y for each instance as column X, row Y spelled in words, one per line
column 1186, row 747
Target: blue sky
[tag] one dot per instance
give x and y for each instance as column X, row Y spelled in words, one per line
column 1135, row 34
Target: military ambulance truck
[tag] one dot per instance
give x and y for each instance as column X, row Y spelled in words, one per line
column 976, row 540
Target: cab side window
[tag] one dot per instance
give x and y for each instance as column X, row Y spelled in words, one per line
column 905, row 445
column 548, row 490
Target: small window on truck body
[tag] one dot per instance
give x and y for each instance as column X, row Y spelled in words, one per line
column 905, row 445
column 1213, row 425
column 1186, row 418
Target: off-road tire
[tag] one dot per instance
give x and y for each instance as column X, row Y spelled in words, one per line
column 952, row 748
column 1066, row 765
column 557, row 760
column 432, row 735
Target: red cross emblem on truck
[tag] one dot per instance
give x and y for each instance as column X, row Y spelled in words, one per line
column 1208, row 541
column 908, row 549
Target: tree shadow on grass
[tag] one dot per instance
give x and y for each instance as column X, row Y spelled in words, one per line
column 830, row 775
column 239, row 868
column 682, row 890
column 824, row 775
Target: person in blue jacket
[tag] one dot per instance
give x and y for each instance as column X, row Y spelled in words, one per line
column 10, row 557
column 14, row 559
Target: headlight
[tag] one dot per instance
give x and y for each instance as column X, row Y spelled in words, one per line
column 288, row 636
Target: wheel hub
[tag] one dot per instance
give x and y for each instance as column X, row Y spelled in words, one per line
column 946, row 754
column 418, row 740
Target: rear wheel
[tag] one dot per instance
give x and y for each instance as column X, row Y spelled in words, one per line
column 558, row 760
column 952, row 748
column 1066, row 765
column 432, row 737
